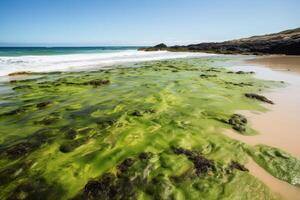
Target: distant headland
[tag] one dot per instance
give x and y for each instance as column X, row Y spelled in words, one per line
column 285, row 42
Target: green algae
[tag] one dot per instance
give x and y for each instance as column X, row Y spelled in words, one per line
column 278, row 163
column 96, row 120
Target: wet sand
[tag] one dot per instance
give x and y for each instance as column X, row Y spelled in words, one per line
column 280, row 63
column 280, row 126
column 279, row 187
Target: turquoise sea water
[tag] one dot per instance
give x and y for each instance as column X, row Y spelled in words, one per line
column 47, row 59
column 26, row 51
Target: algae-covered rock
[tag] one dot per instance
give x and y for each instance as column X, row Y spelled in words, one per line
column 277, row 162
column 202, row 165
column 259, row 97
column 238, row 122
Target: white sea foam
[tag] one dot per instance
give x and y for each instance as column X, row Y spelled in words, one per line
column 77, row 62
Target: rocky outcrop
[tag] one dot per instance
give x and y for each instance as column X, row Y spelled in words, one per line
column 285, row 42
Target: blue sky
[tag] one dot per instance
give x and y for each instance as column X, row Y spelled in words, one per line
column 140, row 22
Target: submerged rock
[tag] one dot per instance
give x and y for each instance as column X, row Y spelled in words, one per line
column 258, row 97
column 238, row 122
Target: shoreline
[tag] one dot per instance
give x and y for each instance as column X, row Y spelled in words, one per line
column 280, row 122
column 279, row 126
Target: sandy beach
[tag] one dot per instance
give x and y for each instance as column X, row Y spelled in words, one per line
column 280, row 125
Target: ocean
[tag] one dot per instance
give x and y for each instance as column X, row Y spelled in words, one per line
column 47, row 59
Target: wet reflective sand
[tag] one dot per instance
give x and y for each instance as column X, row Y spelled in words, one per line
column 280, row 126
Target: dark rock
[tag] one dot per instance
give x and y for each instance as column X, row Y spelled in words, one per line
column 20, row 73
column 202, row 165
column 285, row 42
column 238, row 166
column 258, row 97
column 36, row 190
column 9, row 174
column 145, row 155
column 20, row 149
column 109, row 187
column 238, row 122
column 128, row 162
column 137, row 113
column 48, row 120
column 241, row 84
column 22, row 87
column 43, row 104
column 242, row 72
column 97, row 82
column 207, row 75
column 161, row 46
column 70, row 134
column 14, row 112
column 69, row 146
column 106, row 122
column 212, row 70
column 151, row 111
column 102, row 189
column 28, row 144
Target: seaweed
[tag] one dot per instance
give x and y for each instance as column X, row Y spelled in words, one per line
column 278, row 163
column 35, row 190
column 97, row 140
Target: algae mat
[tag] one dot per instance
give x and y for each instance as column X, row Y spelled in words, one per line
column 149, row 130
